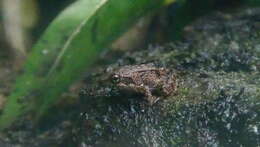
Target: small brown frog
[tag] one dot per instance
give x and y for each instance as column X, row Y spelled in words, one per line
column 151, row 81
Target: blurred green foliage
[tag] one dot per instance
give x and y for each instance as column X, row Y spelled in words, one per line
column 71, row 43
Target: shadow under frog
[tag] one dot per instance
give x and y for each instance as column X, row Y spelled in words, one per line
column 146, row 79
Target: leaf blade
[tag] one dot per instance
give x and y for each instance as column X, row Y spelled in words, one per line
column 82, row 37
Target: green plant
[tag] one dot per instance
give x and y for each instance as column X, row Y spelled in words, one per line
column 70, row 44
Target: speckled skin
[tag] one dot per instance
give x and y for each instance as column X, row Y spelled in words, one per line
column 146, row 79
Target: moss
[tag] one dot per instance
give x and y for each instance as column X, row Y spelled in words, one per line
column 218, row 91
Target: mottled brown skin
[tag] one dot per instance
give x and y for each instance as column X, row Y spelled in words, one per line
column 146, row 79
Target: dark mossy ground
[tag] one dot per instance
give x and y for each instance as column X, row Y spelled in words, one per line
column 217, row 104
column 217, row 64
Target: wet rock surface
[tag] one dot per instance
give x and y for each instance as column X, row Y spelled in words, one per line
column 217, row 102
column 217, row 66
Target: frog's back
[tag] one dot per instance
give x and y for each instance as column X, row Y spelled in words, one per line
column 136, row 68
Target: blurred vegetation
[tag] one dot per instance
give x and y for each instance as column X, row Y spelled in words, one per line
column 76, row 36
column 47, row 12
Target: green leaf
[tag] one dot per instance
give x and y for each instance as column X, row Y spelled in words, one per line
column 69, row 46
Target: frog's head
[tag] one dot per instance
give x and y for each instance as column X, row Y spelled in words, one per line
column 122, row 79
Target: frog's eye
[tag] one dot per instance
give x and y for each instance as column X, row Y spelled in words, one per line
column 115, row 78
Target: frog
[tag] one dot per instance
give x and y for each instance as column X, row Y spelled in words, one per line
column 152, row 82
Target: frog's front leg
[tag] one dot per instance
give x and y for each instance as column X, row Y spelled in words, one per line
column 140, row 89
column 148, row 95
